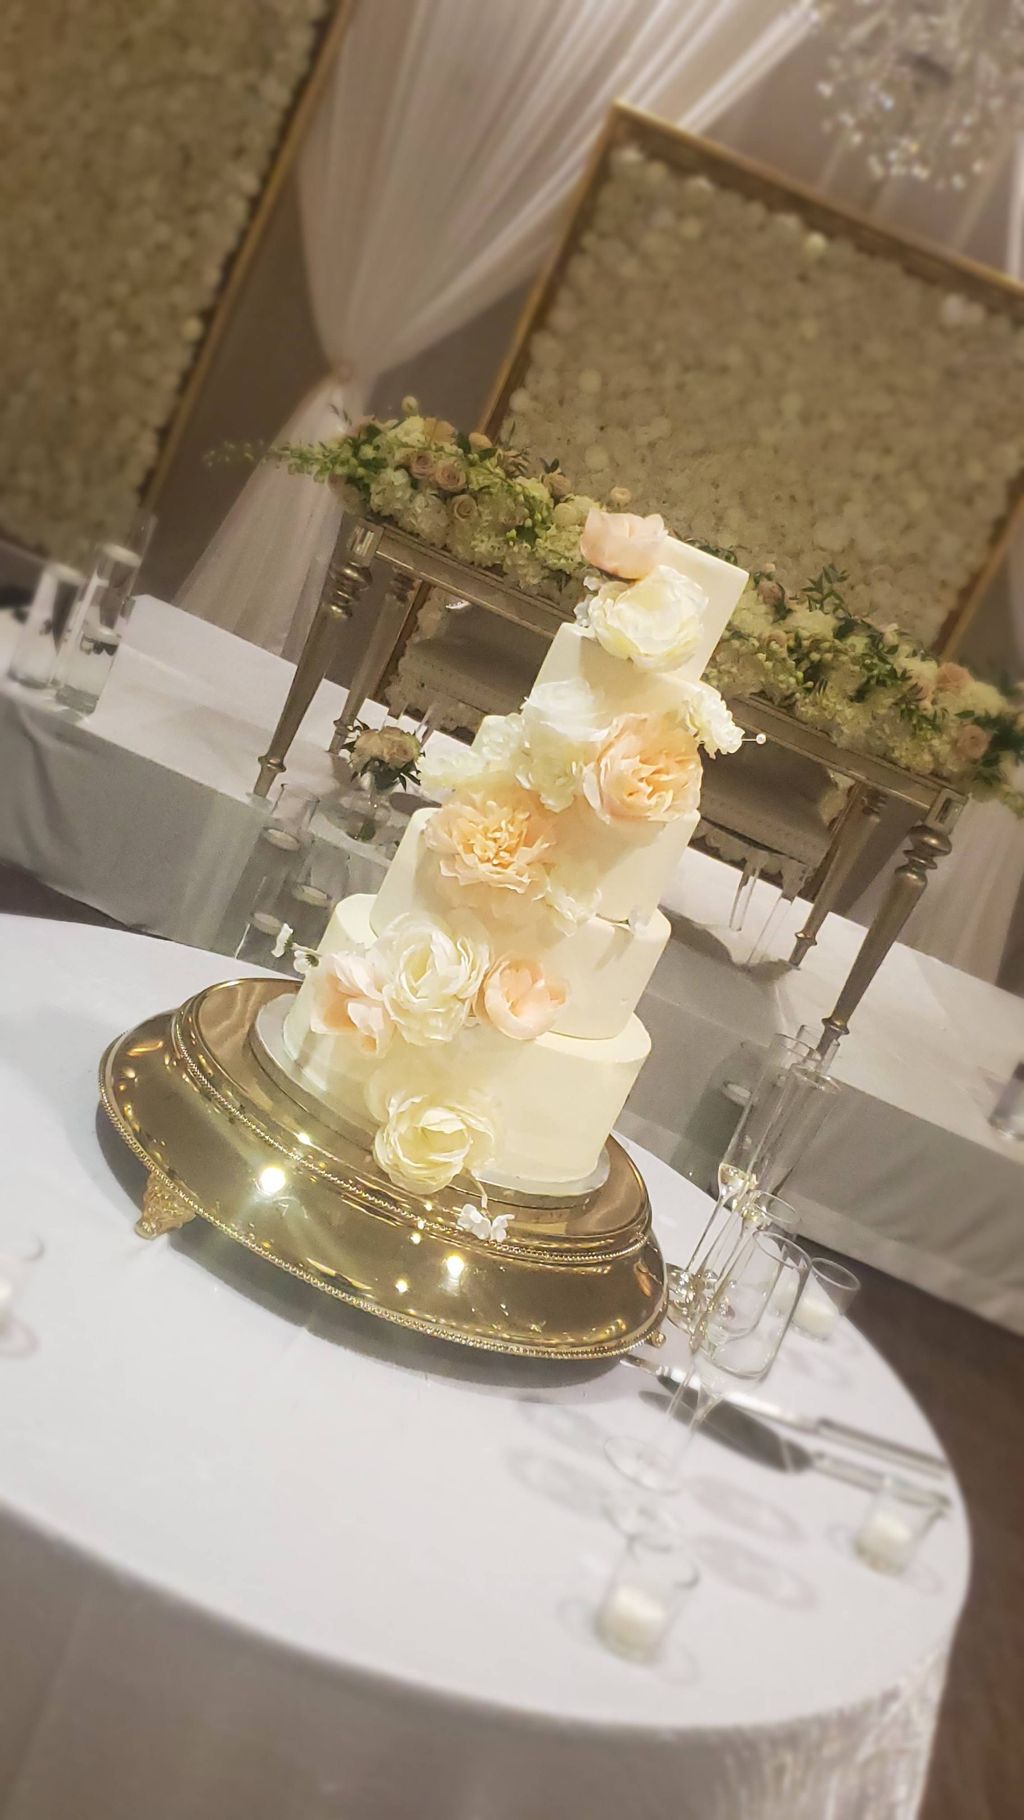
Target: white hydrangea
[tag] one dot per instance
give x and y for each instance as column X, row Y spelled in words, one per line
column 740, row 396
column 103, row 304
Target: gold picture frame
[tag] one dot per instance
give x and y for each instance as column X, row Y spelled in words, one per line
column 627, row 126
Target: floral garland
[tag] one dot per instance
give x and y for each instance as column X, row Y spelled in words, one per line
column 475, row 498
column 870, row 688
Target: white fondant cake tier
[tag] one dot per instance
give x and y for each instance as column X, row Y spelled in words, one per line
column 574, row 655
column 723, row 583
column 604, row 965
column 553, row 1101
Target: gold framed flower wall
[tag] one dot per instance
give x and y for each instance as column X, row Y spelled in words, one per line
column 135, row 144
column 778, row 377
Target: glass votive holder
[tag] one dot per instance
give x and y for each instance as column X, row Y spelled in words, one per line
column 92, row 636
column 825, row 1302
column 34, row 658
column 895, row 1524
column 643, row 1599
column 18, row 1253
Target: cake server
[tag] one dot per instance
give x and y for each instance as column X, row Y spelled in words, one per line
column 825, row 1428
column 759, row 1441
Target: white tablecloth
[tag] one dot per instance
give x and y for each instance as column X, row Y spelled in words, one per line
column 144, row 809
column 264, row 1558
column 910, row 1175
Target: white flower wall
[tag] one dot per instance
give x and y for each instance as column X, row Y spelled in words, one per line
column 134, row 137
column 777, row 391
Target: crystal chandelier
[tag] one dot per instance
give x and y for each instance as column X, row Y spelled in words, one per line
column 932, row 89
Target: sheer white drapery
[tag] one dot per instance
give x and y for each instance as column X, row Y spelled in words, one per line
column 431, row 183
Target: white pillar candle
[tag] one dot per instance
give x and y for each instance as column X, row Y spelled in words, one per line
column 886, row 1539
column 816, row 1313
column 633, row 1621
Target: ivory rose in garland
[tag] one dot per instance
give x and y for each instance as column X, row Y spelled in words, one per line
column 430, row 975
column 622, row 543
column 648, row 770
column 519, row 1001
column 348, row 1001
column 655, row 623
column 425, row 1140
column 499, row 839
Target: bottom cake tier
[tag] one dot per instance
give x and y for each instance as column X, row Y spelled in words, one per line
column 552, row 1102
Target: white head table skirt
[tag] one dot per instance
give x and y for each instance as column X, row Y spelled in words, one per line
column 265, row 1558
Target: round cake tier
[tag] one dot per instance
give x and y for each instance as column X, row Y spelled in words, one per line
column 604, row 966
column 552, row 1101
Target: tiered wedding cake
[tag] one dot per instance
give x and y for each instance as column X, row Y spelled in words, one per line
column 478, row 1015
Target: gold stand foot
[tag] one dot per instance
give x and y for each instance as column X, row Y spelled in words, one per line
column 163, row 1210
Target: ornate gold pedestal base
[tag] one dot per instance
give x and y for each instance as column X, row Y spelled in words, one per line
column 192, row 1098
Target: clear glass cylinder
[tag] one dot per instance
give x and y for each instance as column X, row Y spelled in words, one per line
column 645, row 1594
column 92, row 637
column 34, row 659
column 895, row 1524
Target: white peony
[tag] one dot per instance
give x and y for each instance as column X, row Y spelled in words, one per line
column 425, row 1139
column 654, row 622
column 430, row 973
column 560, row 730
column 491, row 759
column 707, row 717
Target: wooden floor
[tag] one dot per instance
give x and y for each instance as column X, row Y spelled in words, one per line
column 968, row 1376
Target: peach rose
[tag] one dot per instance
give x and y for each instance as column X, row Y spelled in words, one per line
column 517, row 999
column 347, row 1001
column 421, row 465
column 951, row 676
column 647, row 770
column 972, row 743
column 499, row 839
column 622, row 543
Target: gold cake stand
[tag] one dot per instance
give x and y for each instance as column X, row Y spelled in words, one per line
column 198, row 1098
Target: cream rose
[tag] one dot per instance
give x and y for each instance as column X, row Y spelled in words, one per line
column 498, row 838
column 647, row 770
column 425, row 1141
column 622, row 543
column 348, row 1001
column 655, row 622
column 560, row 730
column 972, row 743
column 707, row 717
column 430, row 974
column 518, row 1000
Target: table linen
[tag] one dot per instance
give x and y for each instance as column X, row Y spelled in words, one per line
column 266, row 1557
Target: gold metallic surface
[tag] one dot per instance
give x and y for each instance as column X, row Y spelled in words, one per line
column 190, row 1097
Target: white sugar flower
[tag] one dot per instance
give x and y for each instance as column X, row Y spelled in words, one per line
column 707, row 717
column 561, row 728
column 482, row 1226
column 430, row 972
column 427, row 1138
column 654, row 622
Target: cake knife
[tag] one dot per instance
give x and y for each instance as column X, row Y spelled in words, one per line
column 825, row 1428
column 734, row 1420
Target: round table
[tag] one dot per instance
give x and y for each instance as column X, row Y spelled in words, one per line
column 263, row 1557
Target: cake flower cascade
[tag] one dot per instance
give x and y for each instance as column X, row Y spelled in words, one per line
column 478, row 1016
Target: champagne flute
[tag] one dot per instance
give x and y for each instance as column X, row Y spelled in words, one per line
column 753, row 1301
